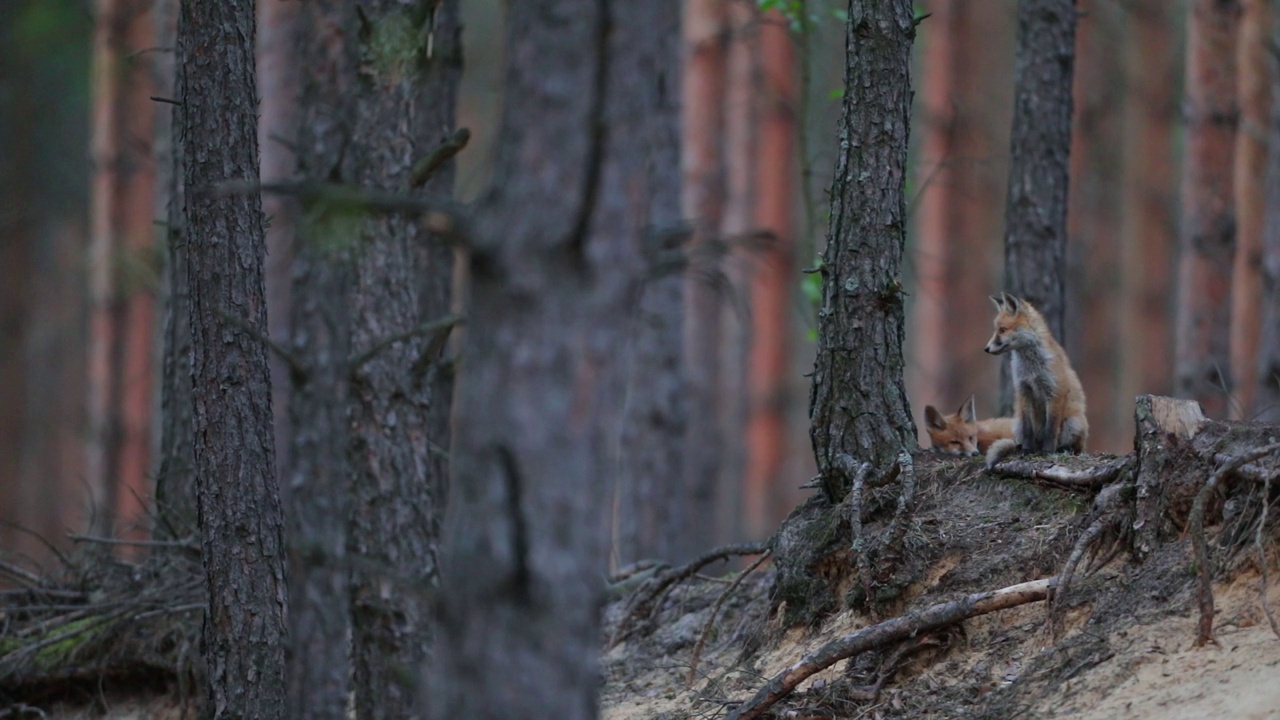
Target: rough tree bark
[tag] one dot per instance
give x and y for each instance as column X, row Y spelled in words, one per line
column 1267, row 395
column 1202, row 357
column 858, row 406
column 316, row 485
column 703, row 127
column 539, row 396
column 239, row 504
column 404, row 84
column 175, row 481
column 1254, row 89
column 1036, row 208
column 656, row 514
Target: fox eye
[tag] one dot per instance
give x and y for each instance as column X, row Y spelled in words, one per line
column 1004, row 330
column 955, row 443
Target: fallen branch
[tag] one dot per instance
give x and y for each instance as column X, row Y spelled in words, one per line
column 1065, row 477
column 1200, row 546
column 706, row 629
column 890, row 631
column 644, row 600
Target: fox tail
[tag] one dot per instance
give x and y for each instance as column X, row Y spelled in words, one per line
column 1000, row 450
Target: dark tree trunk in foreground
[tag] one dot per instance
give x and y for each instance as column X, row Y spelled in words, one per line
column 857, row 405
column 1267, row 393
column 1203, row 362
column 317, row 484
column 657, row 499
column 553, row 273
column 1036, row 207
column 405, row 82
column 240, row 520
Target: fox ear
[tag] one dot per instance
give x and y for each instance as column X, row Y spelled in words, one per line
column 1011, row 302
column 968, row 411
column 998, row 303
column 934, row 418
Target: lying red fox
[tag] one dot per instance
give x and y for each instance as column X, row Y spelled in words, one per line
column 962, row 433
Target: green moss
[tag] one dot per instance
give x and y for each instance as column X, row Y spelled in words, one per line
column 72, row 636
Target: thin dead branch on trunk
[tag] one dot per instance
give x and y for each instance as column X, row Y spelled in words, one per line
column 927, row 620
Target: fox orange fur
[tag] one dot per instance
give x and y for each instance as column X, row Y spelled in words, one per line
column 962, row 433
column 1049, row 407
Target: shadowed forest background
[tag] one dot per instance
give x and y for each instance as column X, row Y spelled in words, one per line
column 81, row 302
column 556, row 296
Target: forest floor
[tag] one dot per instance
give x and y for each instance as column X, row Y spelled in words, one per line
column 1125, row 649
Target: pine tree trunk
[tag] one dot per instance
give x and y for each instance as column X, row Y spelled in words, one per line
column 858, row 406
column 658, row 521
column 1208, row 196
column 1267, row 394
column 231, row 387
column 1040, row 149
column 404, row 89
column 118, row 458
column 703, row 125
column 960, row 181
column 317, row 483
column 1253, row 84
column 539, row 399
column 766, row 492
column 1093, row 225
column 176, row 494
column 1150, row 191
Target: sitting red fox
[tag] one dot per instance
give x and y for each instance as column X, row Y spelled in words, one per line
column 963, row 433
column 1048, row 398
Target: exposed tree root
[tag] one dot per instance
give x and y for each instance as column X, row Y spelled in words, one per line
column 649, row 595
column 706, row 629
column 1200, row 546
column 1059, row 476
column 1105, row 518
column 927, row 620
column 1264, row 584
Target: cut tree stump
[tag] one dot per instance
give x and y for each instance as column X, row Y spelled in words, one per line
column 1161, row 423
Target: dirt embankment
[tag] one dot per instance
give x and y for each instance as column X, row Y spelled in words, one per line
column 1125, row 648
